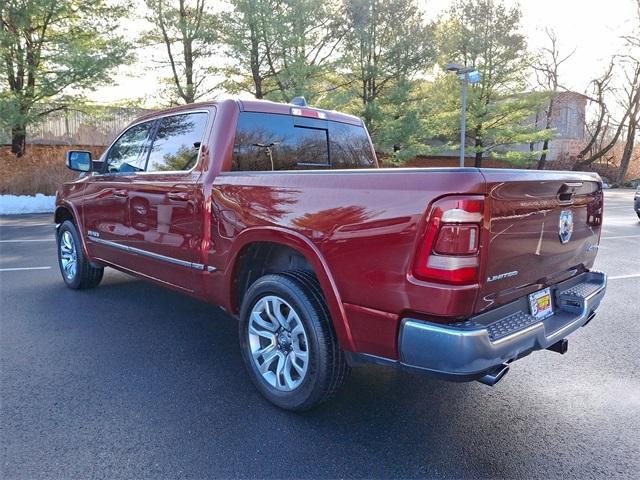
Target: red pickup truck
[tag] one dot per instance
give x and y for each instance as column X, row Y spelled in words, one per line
column 280, row 214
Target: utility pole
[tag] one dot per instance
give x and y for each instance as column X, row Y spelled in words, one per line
column 463, row 118
column 466, row 75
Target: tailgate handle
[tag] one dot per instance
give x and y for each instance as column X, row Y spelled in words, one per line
column 181, row 196
column 565, row 194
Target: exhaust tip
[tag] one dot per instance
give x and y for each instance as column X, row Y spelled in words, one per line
column 494, row 375
column 560, row 347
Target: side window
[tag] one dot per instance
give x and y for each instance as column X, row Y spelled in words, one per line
column 125, row 155
column 266, row 142
column 176, row 143
column 350, row 146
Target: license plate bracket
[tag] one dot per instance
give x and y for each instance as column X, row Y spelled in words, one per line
column 541, row 304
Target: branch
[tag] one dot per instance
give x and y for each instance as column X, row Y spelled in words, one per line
column 167, row 42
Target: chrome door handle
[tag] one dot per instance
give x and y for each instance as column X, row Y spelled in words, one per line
column 120, row 193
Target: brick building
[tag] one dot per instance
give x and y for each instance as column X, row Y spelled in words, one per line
column 568, row 121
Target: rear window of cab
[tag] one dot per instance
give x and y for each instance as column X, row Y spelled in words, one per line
column 269, row 142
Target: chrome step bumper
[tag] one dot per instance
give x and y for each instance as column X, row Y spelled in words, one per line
column 468, row 349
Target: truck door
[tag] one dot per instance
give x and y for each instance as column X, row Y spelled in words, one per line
column 106, row 197
column 165, row 202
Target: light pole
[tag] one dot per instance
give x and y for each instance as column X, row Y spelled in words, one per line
column 466, row 75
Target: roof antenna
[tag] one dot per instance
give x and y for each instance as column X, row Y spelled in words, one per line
column 299, row 101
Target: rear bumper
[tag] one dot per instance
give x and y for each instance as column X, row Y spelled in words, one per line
column 467, row 350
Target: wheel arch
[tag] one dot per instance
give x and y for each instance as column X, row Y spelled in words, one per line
column 66, row 211
column 278, row 243
column 62, row 214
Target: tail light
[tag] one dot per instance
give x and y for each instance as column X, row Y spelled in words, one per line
column 449, row 252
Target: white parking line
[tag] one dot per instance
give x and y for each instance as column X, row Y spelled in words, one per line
column 620, row 236
column 19, row 225
column 29, row 240
column 19, row 269
column 618, row 277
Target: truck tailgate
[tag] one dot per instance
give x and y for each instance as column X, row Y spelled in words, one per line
column 542, row 227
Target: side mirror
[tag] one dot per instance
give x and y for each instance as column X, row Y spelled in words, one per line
column 79, row 160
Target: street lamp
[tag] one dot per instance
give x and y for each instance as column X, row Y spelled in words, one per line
column 466, row 75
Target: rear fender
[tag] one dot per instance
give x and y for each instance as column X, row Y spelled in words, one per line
column 315, row 258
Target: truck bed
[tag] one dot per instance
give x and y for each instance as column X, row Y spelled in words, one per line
column 368, row 225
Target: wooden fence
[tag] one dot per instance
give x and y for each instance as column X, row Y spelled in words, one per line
column 96, row 126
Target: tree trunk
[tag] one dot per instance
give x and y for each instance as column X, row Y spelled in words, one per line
column 627, row 152
column 545, row 146
column 19, row 140
column 478, row 160
column 255, row 62
column 367, row 114
column 479, row 145
column 257, row 83
column 368, row 117
column 543, row 156
column 190, row 90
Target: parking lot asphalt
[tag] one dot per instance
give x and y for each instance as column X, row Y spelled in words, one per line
column 129, row 380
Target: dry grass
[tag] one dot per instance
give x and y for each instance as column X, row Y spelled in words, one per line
column 41, row 170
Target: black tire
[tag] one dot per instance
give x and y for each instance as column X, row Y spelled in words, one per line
column 327, row 368
column 86, row 275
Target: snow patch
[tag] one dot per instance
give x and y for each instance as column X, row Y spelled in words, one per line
column 12, row 204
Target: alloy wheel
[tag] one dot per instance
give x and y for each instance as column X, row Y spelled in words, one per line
column 68, row 255
column 278, row 343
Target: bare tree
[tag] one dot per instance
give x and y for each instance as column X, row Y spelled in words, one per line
column 632, row 105
column 631, row 97
column 607, row 132
column 601, row 139
column 547, row 70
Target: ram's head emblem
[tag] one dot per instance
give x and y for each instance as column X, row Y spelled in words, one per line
column 565, row 228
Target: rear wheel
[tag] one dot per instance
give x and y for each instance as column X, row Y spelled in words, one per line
column 77, row 272
column 288, row 343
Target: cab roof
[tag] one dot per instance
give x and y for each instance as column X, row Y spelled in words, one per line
column 261, row 106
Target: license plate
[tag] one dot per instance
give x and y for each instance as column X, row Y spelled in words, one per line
column 541, row 304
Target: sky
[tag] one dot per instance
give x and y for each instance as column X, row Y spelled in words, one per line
column 591, row 27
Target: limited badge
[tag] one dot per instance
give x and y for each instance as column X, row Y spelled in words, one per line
column 566, row 225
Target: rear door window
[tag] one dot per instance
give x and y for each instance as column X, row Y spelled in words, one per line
column 176, row 143
column 350, row 146
column 266, row 142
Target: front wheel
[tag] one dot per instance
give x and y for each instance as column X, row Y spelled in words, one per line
column 288, row 343
column 77, row 272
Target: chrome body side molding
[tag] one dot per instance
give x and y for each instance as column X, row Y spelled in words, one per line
column 155, row 256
